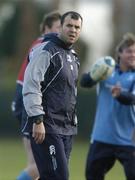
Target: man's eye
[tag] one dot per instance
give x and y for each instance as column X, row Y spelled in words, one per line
column 69, row 25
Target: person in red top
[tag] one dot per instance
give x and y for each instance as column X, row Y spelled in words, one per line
column 50, row 24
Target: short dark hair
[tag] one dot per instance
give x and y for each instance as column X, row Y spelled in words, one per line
column 73, row 14
column 49, row 19
column 128, row 40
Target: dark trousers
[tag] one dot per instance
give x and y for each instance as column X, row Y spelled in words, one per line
column 52, row 156
column 101, row 158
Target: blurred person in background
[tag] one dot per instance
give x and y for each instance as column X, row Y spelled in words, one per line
column 114, row 127
column 50, row 24
column 49, row 96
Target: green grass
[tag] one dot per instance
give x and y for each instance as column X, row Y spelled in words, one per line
column 77, row 164
column 12, row 161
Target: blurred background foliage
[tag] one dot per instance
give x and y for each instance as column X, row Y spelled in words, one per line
column 19, row 26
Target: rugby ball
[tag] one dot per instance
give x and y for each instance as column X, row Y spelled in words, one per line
column 102, row 68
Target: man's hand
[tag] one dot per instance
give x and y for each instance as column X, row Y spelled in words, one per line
column 116, row 90
column 38, row 132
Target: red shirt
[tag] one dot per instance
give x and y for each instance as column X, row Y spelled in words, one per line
column 20, row 77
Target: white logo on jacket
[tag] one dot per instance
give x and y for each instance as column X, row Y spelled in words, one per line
column 69, row 59
column 52, row 149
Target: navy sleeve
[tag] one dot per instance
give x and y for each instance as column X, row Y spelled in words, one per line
column 126, row 98
column 17, row 103
column 86, row 81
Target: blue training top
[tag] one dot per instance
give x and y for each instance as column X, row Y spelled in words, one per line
column 114, row 121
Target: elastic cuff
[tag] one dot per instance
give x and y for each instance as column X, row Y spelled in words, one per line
column 38, row 117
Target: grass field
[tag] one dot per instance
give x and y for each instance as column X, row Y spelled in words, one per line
column 12, row 160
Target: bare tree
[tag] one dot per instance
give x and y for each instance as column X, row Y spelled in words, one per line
column 27, row 27
column 123, row 18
